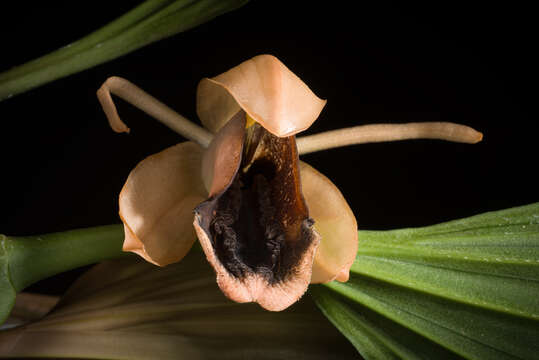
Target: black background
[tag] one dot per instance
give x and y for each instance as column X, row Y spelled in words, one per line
column 385, row 61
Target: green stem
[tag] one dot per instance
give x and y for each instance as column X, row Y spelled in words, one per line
column 33, row 258
column 151, row 21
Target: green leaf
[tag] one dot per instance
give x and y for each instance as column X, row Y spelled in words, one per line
column 467, row 288
column 151, row 21
column 25, row 260
column 7, row 291
column 130, row 309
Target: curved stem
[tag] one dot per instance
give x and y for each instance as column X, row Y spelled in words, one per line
column 150, row 105
column 32, row 258
column 25, row 260
column 387, row 132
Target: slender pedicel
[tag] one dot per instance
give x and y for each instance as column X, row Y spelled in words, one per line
column 150, row 105
column 388, row 132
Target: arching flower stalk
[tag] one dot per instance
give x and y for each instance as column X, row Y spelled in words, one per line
column 269, row 224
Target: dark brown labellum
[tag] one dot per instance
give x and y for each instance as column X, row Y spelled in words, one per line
column 258, row 225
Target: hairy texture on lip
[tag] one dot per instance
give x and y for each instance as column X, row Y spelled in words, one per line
column 257, row 232
column 237, row 243
column 248, row 237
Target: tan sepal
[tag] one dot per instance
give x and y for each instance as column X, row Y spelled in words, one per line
column 266, row 89
column 157, row 202
column 334, row 221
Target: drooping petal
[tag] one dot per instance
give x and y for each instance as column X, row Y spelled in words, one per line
column 157, row 202
column 334, row 221
column 265, row 89
column 222, row 159
column 255, row 228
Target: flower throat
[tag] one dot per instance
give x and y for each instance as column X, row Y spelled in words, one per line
column 261, row 221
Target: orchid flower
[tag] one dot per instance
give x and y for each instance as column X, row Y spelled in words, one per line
column 268, row 223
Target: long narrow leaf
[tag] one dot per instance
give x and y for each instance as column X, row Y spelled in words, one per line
column 470, row 286
column 7, row 291
column 151, row 21
column 130, row 309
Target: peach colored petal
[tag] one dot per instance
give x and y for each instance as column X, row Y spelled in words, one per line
column 266, row 89
column 221, row 160
column 334, row 221
column 157, row 202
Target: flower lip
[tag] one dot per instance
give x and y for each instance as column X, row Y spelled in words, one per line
column 256, row 230
column 266, row 90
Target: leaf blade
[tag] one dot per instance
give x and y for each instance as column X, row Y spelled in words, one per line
column 151, row 21
column 168, row 313
column 469, row 285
